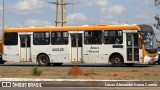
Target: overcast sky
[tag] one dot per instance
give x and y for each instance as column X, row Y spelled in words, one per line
column 25, row 13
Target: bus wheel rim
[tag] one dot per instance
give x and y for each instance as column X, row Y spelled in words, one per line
column 117, row 61
column 43, row 60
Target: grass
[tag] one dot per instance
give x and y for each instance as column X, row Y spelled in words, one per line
column 95, row 73
column 36, row 71
column 134, row 70
column 146, row 74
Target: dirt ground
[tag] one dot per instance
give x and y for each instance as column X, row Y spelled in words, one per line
column 90, row 73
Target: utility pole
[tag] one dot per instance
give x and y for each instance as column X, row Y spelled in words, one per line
column 60, row 12
column 3, row 21
column 64, row 21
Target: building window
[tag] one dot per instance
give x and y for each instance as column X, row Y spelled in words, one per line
column 59, row 38
column 10, row 38
column 93, row 37
column 41, row 38
column 113, row 37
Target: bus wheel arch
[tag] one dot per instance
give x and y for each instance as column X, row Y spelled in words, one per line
column 43, row 59
column 116, row 59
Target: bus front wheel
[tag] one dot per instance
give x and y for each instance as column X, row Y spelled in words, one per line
column 117, row 61
column 43, row 60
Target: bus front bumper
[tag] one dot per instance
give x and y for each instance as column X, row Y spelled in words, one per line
column 150, row 60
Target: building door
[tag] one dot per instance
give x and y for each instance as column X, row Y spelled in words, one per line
column 25, row 48
column 76, row 48
column 133, row 48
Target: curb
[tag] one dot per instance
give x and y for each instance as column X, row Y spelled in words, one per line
column 30, row 82
column 33, row 79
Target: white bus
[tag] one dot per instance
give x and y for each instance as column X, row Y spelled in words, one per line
column 116, row 44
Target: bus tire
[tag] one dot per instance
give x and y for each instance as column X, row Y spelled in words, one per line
column 57, row 64
column 2, row 62
column 129, row 64
column 117, row 61
column 43, row 60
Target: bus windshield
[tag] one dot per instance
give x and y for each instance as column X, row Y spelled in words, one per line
column 149, row 40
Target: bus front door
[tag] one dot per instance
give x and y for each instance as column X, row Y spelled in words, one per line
column 76, row 48
column 132, row 47
column 25, row 48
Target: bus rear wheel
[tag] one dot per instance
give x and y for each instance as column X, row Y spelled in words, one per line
column 117, row 61
column 43, row 60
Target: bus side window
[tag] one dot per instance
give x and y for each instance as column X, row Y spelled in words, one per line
column 93, row 37
column 41, row 38
column 113, row 37
column 117, row 41
column 59, row 38
column 65, row 41
column 59, row 41
column 10, row 38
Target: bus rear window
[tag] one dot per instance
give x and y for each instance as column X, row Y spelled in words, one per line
column 10, row 38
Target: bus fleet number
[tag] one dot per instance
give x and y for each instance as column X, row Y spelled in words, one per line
column 58, row 49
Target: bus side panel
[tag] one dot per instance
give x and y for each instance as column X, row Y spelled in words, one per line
column 39, row 49
column 11, row 49
column 56, row 53
column 60, row 53
column 94, row 54
column 11, row 53
column 109, row 50
column 100, row 53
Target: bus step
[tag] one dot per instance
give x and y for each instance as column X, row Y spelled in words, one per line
column 77, row 62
